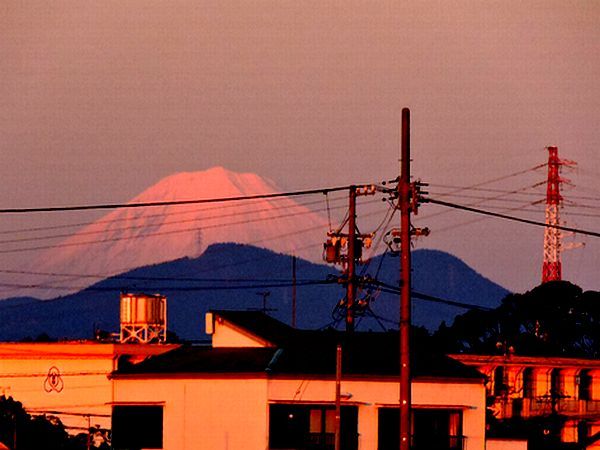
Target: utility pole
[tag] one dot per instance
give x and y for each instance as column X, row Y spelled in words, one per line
column 354, row 242
column 294, row 291
column 404, row 198
column 264, row 296
column 351, row 288
column 89, row 435
column 338, row 396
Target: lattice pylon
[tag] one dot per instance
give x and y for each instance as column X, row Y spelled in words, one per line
column 551, row 269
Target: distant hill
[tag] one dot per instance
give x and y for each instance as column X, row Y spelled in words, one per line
column 231, row 276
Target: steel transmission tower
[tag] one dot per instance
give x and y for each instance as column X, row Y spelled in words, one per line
column 551, row 269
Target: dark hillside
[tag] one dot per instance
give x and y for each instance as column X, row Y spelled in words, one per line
column 231, row 276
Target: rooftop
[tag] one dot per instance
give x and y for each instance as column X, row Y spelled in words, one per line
column 301, row 352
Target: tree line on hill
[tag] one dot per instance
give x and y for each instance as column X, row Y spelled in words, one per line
column 554, row 319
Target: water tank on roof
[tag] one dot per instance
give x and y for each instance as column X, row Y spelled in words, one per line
column 143, row 318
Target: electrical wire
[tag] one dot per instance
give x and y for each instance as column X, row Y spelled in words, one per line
column 159, row 233
column 145, row 235
column 479, row 219
column 167, row 288
column 139, row 278
column 486, row 199
column 172, row 202
column 145, row 216
column 430, row 298
column 240, row 262
column 505, row 192
column 507, row 217
column 159, row 224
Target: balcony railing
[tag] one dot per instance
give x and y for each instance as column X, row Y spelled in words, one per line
column 541, row 406
column 321, row 440
column 438, row 442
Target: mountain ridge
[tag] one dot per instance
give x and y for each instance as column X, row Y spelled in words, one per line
column 76, row 315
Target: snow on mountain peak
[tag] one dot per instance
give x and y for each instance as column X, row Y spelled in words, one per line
column 211, row 183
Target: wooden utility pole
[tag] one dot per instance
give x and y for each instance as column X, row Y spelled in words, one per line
column 294, row 291
column 351, row 289
column 404, row 197
column 338, row 395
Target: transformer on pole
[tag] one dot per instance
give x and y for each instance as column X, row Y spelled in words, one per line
column 551, row 269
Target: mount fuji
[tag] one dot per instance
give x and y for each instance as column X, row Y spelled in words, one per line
column 134, row 237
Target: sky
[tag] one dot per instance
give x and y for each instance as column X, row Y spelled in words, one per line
column 100, row 100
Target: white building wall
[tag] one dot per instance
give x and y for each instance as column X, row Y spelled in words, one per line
column 232, row 413
column 371, row 395
column 205, row 414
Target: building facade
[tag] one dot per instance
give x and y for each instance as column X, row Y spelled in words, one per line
column 263, row 385
column 558, row 397
column 67, row 379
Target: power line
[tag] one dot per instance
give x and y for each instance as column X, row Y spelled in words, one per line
column 168, row 288
column 502, row 191
column 139, row 278
column 171, row 203
column 241, row 262
column 507, row 217
column 388, row 288
column 479, row 219
column 161, row 224
column 146, row 235
column 148, row 216
column 494, row 180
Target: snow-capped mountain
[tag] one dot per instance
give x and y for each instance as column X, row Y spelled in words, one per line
column 128, row 238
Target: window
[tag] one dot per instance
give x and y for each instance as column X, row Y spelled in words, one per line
column 500, row 387
column 556, row 383
column 433, row 429
column 311, row 427
column 584, row 386
column 528, row 383
column 137, row 427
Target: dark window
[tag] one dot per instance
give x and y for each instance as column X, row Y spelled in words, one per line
column 137, row 427
column 556, row 383
column 311, row 427
column 585, row 385
column 500, row 387
column 528, row 383
column 433, row 429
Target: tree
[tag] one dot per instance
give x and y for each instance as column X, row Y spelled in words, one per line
column 555, row 318
column 32, row 432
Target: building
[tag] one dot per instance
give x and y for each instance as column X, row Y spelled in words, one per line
column 67, row 379
column 264, row 385
column 552, row 400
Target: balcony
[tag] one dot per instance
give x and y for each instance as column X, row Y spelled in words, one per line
column 438, row 442
column 545, row 405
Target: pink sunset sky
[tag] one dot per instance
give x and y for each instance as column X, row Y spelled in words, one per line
column 100, row 100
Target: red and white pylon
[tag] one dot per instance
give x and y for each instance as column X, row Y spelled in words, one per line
column 551, row 269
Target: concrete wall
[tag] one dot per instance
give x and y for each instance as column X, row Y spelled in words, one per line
column 232, row 413
column 70, row 377
column 205, row 414
column 505, row 444
column 370, row 396
column 80, row 386
column 225, row 334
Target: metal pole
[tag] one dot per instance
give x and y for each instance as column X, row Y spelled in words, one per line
column 294, row 291
column 405, row 313
column 338, row 407
column 351, row 289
